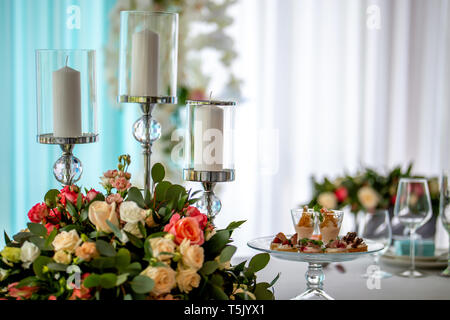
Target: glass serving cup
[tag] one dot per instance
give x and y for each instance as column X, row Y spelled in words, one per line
column 304, row 222
column 329, row 224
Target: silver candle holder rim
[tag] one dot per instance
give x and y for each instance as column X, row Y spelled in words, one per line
column 209, row 176
column 148, row 99
column 210, row 102
column 48, row 138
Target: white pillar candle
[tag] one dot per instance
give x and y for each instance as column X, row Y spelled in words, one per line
column 66, row 103
column 144, row 63
column 208, row 138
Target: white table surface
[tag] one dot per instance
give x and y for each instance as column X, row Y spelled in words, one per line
column 350, row 285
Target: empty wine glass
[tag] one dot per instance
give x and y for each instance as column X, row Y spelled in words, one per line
column 413, row 209
column 376, row 226
column 444, row 212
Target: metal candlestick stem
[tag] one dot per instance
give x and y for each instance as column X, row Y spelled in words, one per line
column 146, row 130
column 68, row 168
column 209, row 202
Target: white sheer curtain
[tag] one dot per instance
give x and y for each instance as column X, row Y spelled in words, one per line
column 332, row 86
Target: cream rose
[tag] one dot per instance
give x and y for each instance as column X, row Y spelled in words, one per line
column 327, row 200
column 187, row 279
column 164, row 278
column 28, row 253
column 63, row 257
column 66, row 240
column 100, row 212
column 368, row 197
column 162, row 245
column 131, row 213
column 191, row 256
column 133, row 228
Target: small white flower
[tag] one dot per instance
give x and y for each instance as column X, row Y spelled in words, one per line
column 131, row 213
column 28, row 253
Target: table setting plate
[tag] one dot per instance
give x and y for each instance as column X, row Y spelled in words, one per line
column 439, row 260
column 263, row 244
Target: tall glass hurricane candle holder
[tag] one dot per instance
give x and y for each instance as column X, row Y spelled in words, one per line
column 148, row 71
column 66, row 106
column 209, row 148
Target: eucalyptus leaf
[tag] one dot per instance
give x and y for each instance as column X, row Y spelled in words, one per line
column 39, row 264
column 37, row 229
column 105, row 248
column 134, row 240
column 134, row 268
column 123, row 259
column 108, row 280
column 115, row 229
column 258, row 262
column 57, row 266
column 218, row 293
column 161, row 189
column 91, row 281
column 121, row 279
column 51, row 198
column 79, row 201
column 142, row 284
column 135, row 195
column 215, row 245
column 71, row 209
column 209, row 267
column 227, row 253
column 158, row 172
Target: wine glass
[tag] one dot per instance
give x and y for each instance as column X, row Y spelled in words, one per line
column 444, row 212
column 413, row 209
column 376, row 226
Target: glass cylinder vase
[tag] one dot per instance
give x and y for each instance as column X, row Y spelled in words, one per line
column 148, row 57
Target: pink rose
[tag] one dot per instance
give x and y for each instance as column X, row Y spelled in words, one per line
column 50, row 227
column 110, row 174
column 54, row 216
column 200, row 217
column 114, row 197
column 341, row 193
column 68, row 194
column 91, row 195
column 21, row 293
column 38, row 212
column 121, row 184
column 185, row 228
column 52, row 297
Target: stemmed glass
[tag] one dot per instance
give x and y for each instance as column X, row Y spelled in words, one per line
column 413, row 209
column 376, row 226
column 444, row 212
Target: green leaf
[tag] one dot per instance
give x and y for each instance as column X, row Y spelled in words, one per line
column 148, row 199
column 123, row 259
column 115, row 229
column 142, row 229
column 91, row 281
column 84, row 214
column 121, row 279
column 22, row 237
column 274, row 280
column 79, row 201
column 37, row 229
column 258, row 262
column 148, row 249
column 103, row 263
column 209, row 267
column 50, row 238
column 158, row 172
column 71, row 209
column 161, row 189
column 261, row 292
column 57, row 266
column 134, row 240
column 175, row 192
column 134, row 268
column 39, row 263
column 28, row 282
column 182, row 202
column 105, row 248
column 51, row 198
column 108, row 280
column 7, row 239
column 40, row 243
column 215, row 245
column 135, row 195
column 157, row 234
column 142, row 284
column 235, row 224
column 227, row 253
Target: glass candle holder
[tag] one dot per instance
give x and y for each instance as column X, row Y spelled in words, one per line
column 66, row 105
column 209, row 148
column 148, row 72
column 148, row 57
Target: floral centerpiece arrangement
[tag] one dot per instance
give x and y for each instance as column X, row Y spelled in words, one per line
column 123, row 245
column 368, row 190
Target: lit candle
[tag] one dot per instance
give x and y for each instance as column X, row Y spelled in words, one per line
column 208, row 138
column 66, row 102
column 144, row 63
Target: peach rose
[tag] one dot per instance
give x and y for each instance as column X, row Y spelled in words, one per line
column 327, row 200
column 162, row 245
column 185, row 228
column 66, row 240
column 187, row 279
column 99, row 212
column 164, row 278
column 87, row 251
column 191, row 256
column 63, row 257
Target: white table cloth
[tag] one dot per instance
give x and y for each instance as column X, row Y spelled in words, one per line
column 350, row 285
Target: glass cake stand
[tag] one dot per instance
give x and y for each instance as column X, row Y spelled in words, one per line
column 314, row 275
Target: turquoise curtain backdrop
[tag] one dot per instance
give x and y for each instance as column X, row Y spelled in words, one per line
column 26, row 166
